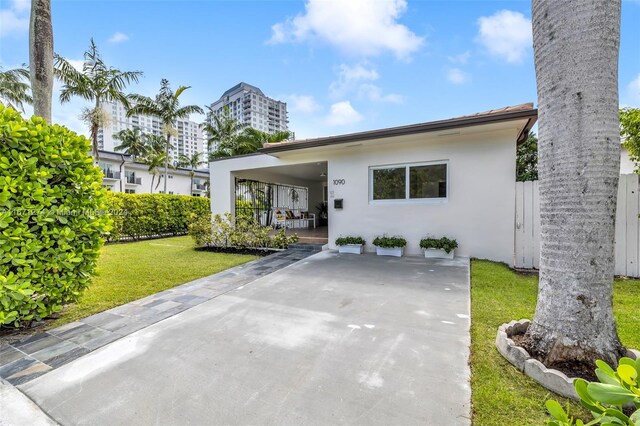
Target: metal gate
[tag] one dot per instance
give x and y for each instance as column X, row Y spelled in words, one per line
column 257, row 200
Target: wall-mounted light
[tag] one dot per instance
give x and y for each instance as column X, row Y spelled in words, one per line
column 323, row 174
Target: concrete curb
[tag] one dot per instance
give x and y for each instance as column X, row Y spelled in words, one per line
column 554, row 380
column 19, row 410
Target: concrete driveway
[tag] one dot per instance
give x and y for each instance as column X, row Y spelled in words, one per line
column 331, row 339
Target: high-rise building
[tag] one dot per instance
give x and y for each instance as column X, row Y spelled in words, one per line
column 248, row 105
column 189, row 138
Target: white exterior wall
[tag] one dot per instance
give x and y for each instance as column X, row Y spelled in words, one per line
column 179, row 183
column 479, row 211
column 626, row 165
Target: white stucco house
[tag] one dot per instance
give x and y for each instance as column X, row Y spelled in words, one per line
column 452, row 178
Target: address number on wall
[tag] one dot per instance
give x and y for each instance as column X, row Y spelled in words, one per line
column 338, row 182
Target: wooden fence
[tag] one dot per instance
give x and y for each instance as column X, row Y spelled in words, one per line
column 527, row 250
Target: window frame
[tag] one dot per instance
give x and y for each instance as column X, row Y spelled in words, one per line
column 407, row 183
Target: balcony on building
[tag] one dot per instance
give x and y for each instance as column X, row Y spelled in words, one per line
column 131, row 179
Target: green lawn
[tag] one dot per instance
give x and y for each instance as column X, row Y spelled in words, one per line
column 501, row 395
column 130, row 271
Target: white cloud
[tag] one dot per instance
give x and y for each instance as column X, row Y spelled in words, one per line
column 506, row 34
column 457, row 76
column 374, row 93
column 359, row 27
column 78, row 64
column 634, row 89
column 358, row 79
column 302, row 103
column 342, row 114
column 460, row 58
column 118, row 37
column 14, row 20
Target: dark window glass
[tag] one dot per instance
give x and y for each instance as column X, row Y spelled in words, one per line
column 428, row 181
column 389, row 184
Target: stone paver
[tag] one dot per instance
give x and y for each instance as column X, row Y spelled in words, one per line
column 27, row 359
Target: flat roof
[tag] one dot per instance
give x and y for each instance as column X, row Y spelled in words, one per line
column 523, row 111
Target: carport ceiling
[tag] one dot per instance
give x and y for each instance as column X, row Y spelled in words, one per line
column 306, row 171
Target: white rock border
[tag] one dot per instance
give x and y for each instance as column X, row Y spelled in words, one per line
column 554, row 380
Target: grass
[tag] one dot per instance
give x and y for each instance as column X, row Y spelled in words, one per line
column 501, row 394
column 130, row 271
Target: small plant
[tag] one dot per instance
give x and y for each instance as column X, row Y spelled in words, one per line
column 343, row 241
column 443, row 243
column 605, row 400
column 389, row 242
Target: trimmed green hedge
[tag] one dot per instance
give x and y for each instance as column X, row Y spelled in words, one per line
column 52, row 217
column 137, row 216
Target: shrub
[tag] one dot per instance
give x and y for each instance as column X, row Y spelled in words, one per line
column 343, row 241
column 605, row 400
column 389, row 242
column 52, row 217
column 147, row 215
column 443, row 243
column 225, row 232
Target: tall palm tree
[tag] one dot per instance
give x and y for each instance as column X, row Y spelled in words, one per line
column 576, row 58
column 13, row 89
column 96, row 83
column 41, row 57
column 154, row 160
column 192, row 162
column 222, row 130
column 132, row 142
column 165, row 106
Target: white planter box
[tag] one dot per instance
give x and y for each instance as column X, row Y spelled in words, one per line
column 438, row 254
column 394, row 251
column 351, row 249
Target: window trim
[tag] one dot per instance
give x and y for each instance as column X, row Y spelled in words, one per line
column 408, row 199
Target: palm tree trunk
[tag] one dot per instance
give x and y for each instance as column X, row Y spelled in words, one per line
column 94, row 129
column 153, row 177
column 166, row 163
column 576, row 57
column 41, row 57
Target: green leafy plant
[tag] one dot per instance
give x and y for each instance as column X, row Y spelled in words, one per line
column 605, row 400
column 139, row 216
column 343, row 241
column 389, row 242
column 224, row 231
column 443, row 243
column 52, row 217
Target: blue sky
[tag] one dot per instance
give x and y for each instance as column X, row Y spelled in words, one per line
column 341, row 65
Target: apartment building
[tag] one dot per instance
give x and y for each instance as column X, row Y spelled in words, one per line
column 122, row 174
column 249, row 105
column 188, row 140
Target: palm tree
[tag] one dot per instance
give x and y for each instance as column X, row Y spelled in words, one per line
column 41, row 57
column 133, row 142
column 96, row 83
column 247, row 142
column 165, row 106
column 154, row 160
column 578, row 168
column 192, row 162
column 13, row 90
column 222, row 131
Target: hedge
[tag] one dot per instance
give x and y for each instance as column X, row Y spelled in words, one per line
column 137, row 216
column 52, row 217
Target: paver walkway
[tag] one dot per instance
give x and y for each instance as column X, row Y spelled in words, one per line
column 27, row 359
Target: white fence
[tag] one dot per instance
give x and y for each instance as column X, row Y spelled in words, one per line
column 527, row 250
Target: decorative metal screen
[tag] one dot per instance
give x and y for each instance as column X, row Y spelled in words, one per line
column 257, row 200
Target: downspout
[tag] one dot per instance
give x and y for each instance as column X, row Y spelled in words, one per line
column 121, row 164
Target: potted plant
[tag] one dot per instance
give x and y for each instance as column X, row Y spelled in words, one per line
column 353, row 245
column 389, row 246
column 440, row 248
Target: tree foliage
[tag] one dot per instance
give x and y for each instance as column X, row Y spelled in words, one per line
column 96, row 83
column 52, row 217
column 14, row 91
column 527, row 159
column 630, row 132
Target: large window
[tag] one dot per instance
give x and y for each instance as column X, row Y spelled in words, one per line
column 407, row 182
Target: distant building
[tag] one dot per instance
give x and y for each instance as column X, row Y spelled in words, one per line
column 122, row 174
column 248, row 105
column 188, row 140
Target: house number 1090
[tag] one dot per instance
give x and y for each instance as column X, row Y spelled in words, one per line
column 338, row 182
